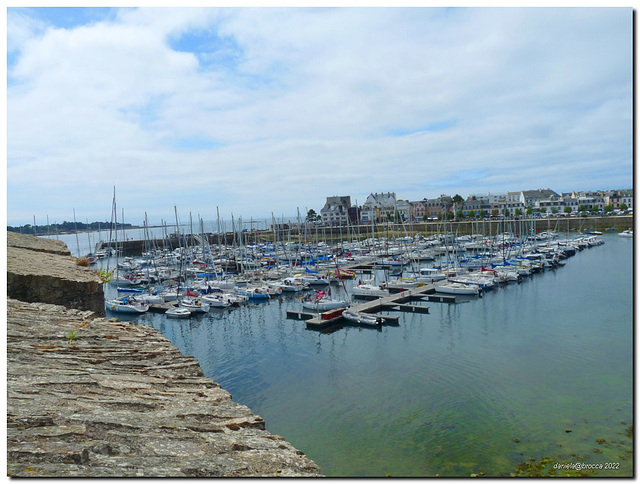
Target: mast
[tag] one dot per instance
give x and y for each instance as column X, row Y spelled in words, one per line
column 75, row 229
column 175, row 209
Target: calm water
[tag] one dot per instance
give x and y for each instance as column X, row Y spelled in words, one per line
column 448, row 392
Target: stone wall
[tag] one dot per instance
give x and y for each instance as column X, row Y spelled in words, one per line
column 42, row 270
column 95, row 397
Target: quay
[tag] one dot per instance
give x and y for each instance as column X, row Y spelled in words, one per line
column 94, row 397
column 393, row 302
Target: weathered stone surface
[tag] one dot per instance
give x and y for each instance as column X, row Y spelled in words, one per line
column 42, row 270
column 37, row 244
column 118, row 399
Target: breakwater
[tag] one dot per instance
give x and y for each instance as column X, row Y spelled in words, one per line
column 94, row 397
column 312, row 233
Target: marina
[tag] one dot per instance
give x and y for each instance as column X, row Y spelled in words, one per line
column 342, row 242
column 424, row 390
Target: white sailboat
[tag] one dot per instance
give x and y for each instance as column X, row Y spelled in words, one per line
column 126, row 304
column 321, row 302
column 447, row 287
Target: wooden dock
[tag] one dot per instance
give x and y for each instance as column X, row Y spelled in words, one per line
column 395, row 302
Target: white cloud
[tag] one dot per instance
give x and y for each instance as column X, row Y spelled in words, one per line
column 300, row 104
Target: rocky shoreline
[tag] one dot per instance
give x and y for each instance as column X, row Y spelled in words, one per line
column 94, row 397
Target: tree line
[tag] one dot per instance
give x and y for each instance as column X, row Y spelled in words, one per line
column 65, row 228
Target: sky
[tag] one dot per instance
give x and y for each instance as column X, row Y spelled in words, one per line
column 254, row 112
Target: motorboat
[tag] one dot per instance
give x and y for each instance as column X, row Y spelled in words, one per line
column 431, row 274
column 178, row 313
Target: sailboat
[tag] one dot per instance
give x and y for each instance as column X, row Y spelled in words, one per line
column 321, row 302
column 126, row 304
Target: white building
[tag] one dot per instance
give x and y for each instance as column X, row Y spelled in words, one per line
column 336, row 210
column 378, row 207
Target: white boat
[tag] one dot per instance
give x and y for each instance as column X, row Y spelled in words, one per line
column 318, row 280
column 217, row 300
column 126, row 304
column 169, row 294
column 430, row 274
column 475, row 279
column 319, row 302
column 362, row 318
column 457, row 288
column 124, row 281
column 364, row 290
column 178, row 313
column 403, row 283
column 626, row 233
column 274, row 288
column 150, row 298
column 293, row 284
column 314, row 278
column 253, row 292
column 194, row 305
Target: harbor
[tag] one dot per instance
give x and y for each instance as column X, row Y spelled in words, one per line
column 190, row 275
column 424, row 389
column 308, row 242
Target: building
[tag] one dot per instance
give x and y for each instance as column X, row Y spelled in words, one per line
column 336, row 210
column 618, row 197
column 532, row 198
column 476, row 204
column 403, row 209
column 417, row 211
column 435, row 207
column 379, row 207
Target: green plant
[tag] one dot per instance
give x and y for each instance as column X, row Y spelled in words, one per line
column 104, row 275
column 72, row 336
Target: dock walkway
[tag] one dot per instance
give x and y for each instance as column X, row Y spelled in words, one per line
column 392, row 302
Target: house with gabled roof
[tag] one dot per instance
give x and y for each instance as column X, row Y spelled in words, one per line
column 336, row 210
column 532, row 198
column 378, row 207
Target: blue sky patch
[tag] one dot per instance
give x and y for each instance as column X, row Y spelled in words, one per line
column 437, row 126
column 194, row 143
column 214, row 53
column 67, row 17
